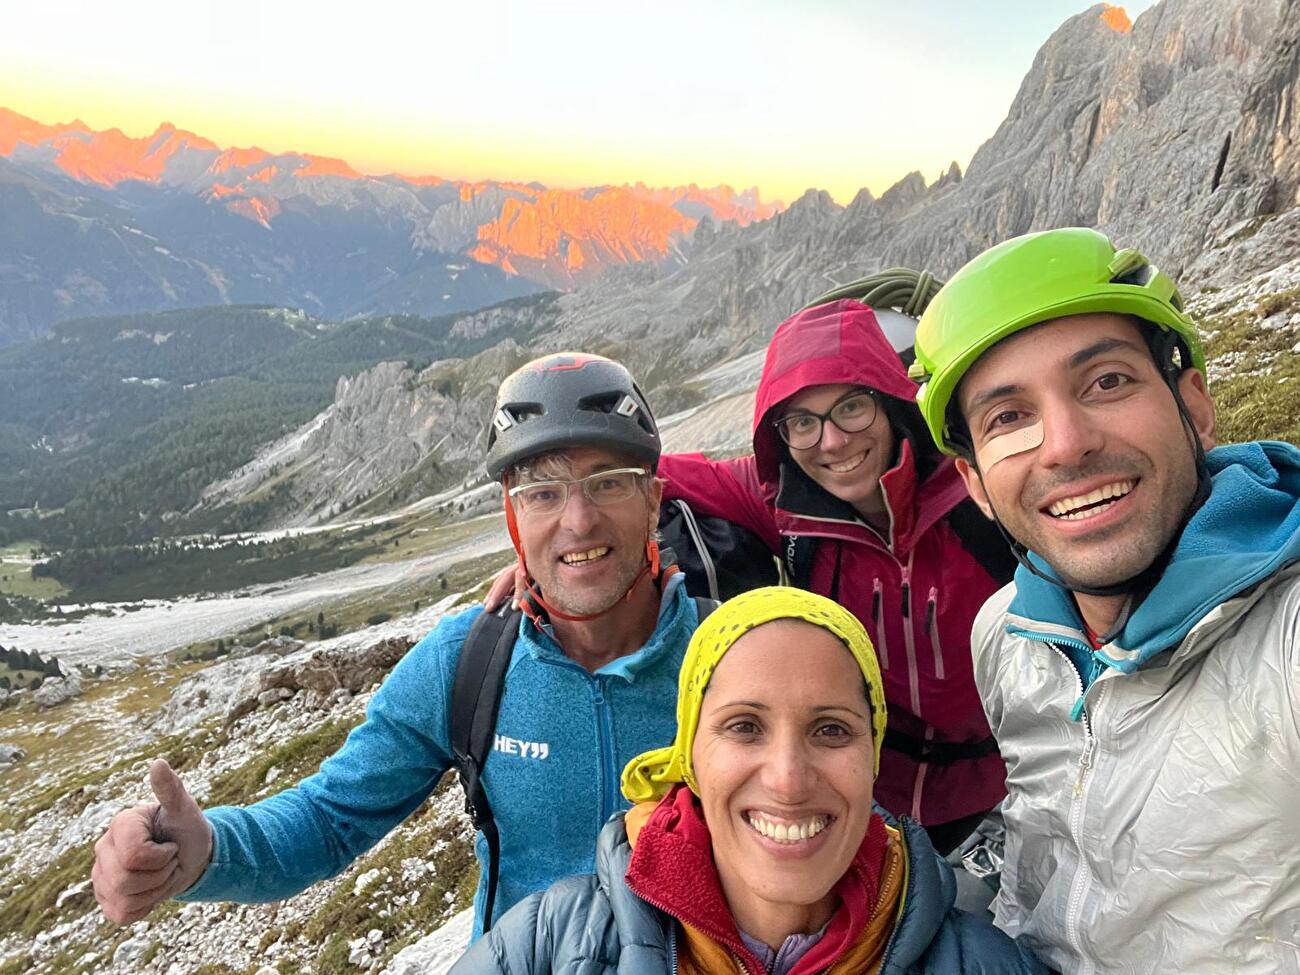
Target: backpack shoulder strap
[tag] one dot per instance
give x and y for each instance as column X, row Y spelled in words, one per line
column 475, row 700
column 980, row 537
column 704, row 606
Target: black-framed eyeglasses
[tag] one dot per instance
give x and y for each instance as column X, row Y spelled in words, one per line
column 852, row 413
column 600, row 488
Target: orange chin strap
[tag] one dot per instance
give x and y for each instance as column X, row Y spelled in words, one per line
column 652, row 566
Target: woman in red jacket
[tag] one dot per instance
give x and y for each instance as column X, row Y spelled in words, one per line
column 849, row 492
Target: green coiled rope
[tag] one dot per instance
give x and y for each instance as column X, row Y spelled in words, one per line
column 899, row 288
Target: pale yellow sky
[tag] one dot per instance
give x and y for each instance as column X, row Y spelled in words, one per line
column 835, row 95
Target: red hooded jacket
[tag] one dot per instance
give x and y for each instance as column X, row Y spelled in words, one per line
column 915, row 588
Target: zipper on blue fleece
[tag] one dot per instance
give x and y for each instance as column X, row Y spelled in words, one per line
column 1084, row 651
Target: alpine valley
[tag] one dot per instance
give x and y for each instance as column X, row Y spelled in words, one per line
column 243, row 395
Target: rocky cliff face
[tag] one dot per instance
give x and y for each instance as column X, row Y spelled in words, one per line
column 391, row 435
column 95, row 223
column 1174, row 133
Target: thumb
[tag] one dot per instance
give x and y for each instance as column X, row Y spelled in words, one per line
column 167, row 786
column 179, row 819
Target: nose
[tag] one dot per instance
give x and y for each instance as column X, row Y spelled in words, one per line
column 833, row 438
column 1070, row 434
column 578, row 514
column 788, row 768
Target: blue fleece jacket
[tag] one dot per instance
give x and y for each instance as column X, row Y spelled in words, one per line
column 1248, row 529
column 563, row 737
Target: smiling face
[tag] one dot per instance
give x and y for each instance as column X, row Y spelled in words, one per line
column 783, row 757
column 1106, row 490
column 848, row 465
column 585, row 556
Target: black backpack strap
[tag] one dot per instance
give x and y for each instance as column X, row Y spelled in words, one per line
column 701, row 547
column 980, row 537
column 475, row 700
column 704, row 606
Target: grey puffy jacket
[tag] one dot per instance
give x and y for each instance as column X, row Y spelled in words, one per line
column 596, row 925
column 1155, row 826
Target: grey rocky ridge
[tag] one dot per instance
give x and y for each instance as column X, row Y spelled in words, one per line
column 1173, row 133
column 1177, row 135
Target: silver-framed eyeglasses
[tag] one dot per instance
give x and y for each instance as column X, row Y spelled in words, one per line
column 852, row 413
column 600, row 488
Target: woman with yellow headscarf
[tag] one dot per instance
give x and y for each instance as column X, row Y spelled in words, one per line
column 754, row 846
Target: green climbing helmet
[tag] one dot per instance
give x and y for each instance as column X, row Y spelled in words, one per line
column 1022, row 282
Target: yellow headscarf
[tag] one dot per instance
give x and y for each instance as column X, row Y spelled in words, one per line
column 651, row 774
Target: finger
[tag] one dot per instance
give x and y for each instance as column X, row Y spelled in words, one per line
column 521, row 587
column 135, row 882
column 129, row 908
column 499, row 589
column 127, row 843
column 170, row 790
column 131, row 827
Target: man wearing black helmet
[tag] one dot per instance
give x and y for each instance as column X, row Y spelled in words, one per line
column 590, row 682
column 1142, row 673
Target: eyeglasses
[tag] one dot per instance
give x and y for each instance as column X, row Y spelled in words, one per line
column 852, row 413
column 601, row 488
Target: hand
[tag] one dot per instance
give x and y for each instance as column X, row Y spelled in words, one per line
column 511, row 581
column 151, row 852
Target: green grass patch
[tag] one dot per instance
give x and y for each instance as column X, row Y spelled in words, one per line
column 28, row 907
column 182, row 752
column 16, row 580
column 1257, row 386
column 295, row 759
column 443, row 845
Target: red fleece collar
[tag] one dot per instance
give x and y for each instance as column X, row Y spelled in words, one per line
column 672, row 868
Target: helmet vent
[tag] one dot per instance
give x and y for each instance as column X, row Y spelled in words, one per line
column 1139, row 276
column 610, row 402
column 514, row 414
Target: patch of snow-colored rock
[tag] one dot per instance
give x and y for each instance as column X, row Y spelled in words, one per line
column 57, row 690
column 435, row 953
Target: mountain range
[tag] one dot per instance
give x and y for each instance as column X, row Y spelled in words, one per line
column 97, row 222
column 1174, row 133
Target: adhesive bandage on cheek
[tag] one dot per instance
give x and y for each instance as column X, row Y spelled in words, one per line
column 1015, row 442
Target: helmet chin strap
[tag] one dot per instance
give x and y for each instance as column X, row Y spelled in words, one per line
column 1141, row 584
column 534, row 596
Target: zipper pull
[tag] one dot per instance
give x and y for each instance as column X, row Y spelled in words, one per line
column 907, row 599
column 1076, row 712
column 875, row 602
column 1085, row 763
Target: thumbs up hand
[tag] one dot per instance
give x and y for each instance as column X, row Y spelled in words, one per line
column 151, row 852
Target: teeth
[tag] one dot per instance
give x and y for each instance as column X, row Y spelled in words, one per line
column 788, row 832
column 844, row 466
column 1067, row 508
column 574, row 558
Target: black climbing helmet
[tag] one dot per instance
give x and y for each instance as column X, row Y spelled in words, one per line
column 569, row 399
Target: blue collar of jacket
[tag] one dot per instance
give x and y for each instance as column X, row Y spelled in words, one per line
column 677, row 621
column 1248, row 529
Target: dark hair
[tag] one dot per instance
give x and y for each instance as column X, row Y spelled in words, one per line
column 908, row 424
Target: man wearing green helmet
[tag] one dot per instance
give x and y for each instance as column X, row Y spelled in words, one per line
column 1141, row 673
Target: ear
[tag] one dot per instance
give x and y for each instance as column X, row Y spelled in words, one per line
column 974, row 486
column 655, row 496
column 1200, row 405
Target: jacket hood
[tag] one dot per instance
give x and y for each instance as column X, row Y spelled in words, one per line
column 838, row 342
column 1248, row 529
